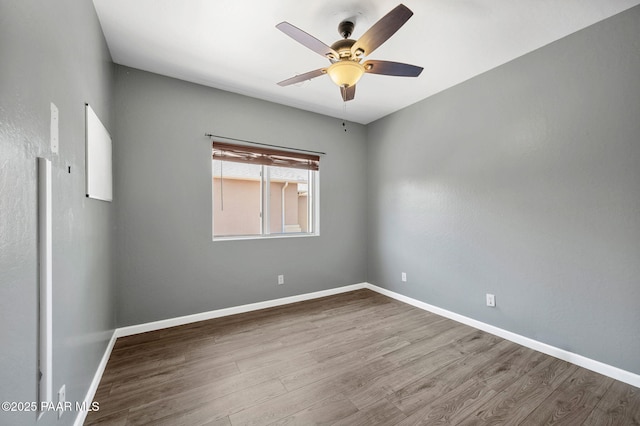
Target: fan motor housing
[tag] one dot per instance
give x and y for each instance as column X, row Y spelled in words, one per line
column 343, row 47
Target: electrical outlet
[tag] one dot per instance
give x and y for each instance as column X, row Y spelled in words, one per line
column 491, row 300
column 62, row 397
column 280, row 279
column 404, row 277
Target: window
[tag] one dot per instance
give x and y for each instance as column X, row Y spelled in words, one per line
column 260, row 192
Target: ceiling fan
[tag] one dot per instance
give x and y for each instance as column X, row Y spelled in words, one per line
column 346, row 55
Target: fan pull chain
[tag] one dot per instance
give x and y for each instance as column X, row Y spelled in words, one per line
column 344, row 115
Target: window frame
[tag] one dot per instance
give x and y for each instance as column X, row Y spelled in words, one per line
column 313, row 204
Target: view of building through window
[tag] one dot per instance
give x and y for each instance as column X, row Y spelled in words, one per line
column 255, row 200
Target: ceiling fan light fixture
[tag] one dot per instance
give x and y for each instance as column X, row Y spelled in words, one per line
column 345, row 73
column 346, row 54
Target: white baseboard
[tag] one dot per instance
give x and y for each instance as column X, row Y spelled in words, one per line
column 91, row 393
column 582, row 361
column 187, row 319
column 593, row 365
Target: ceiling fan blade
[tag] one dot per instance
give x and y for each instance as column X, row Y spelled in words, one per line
column 303, row 77
column 391, row 68
column 381, row 31
column 348, row 93
column 308, row 40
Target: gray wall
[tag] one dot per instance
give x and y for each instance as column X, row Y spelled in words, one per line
column 52, row 52
column 167, row 265
column 522, row 182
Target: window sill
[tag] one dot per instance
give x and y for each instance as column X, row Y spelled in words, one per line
column 263, row 237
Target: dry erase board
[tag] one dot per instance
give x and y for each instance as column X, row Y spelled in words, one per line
column 98, row 162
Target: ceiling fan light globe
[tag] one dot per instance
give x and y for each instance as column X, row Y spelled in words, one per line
column 345, row 73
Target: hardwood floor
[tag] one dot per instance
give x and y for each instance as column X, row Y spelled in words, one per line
column 357, row 358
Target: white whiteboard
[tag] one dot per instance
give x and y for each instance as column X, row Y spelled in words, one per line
column 98, row 162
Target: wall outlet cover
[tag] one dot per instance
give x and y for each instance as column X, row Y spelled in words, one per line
column 491, row 300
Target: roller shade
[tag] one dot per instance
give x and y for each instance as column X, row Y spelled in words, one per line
column 264, row 156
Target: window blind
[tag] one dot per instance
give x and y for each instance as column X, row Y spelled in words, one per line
column 264, row 156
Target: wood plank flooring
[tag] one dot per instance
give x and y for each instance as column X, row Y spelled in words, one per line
column 357, row 358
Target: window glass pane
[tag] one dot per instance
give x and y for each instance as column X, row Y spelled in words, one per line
column 257, row 193
column 288, row 200
column 237, row 195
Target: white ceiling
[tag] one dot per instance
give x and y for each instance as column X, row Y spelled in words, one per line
column 234, row 45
